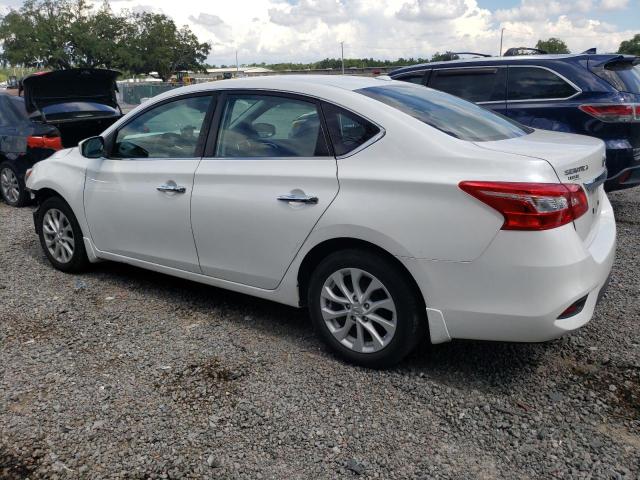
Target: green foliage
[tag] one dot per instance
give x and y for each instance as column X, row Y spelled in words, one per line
column 336, row 64
column 444, row 57
column 552, row 45
column 62, row 34
column 631, row 46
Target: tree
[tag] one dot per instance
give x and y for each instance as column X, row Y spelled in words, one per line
column 158, row 46
column 444, row 57
column 631, row 46
column 61, row 34
column 552, row 45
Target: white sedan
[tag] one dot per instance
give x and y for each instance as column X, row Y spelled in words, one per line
column 392, row 211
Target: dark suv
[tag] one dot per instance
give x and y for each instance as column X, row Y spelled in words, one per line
column 597, row 95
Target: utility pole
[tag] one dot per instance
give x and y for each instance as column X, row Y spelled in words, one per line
column 342, row 55
column 237, row 65
column 501, row 36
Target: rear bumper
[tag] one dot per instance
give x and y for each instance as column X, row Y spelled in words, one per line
column 623, row 165
column 517, row 289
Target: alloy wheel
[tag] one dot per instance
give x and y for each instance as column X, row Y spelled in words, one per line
column 358, row 310
column 58, row 235
column 9, row 185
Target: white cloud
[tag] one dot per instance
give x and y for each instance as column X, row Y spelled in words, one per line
column 614, row 4
column 309, row 30
column 429, row 10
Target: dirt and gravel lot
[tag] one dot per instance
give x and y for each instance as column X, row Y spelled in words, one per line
column 122, row 373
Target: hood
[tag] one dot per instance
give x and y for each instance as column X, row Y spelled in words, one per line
column 73, row 85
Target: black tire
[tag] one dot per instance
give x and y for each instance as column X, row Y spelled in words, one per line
column 78, row 261
column 23, row 196
column 410, row 318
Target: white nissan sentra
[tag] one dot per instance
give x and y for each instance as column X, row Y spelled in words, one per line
column 392, row 211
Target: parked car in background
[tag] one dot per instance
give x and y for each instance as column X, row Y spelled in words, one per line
column 58, row 110
column 596, row 95
column 353, row 196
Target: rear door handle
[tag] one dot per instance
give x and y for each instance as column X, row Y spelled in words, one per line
column 165, row 187
column 298, row 198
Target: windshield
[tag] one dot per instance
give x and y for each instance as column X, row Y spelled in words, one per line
column 449, row 114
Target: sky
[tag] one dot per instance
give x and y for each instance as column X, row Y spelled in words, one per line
column 309, row 30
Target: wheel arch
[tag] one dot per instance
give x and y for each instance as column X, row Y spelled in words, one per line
column 320, row 251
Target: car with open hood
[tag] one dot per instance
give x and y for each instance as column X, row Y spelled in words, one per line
column 55, row 110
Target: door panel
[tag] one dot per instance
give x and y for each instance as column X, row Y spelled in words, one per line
column 138, row 203
column 128, row 216
column 243, row 232
column 270, row 180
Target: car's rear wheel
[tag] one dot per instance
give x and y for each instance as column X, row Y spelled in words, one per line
column 61, row 237
column 12, row 188
column 365, row 308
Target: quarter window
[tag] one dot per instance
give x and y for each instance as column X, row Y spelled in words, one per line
column 473, row 84
column 347, row 130
column 530, row 83
column 170, row 130
column 270, row 126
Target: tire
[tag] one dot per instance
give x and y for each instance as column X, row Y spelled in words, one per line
column 12, row 187
column 55, row 216
column 349, row 334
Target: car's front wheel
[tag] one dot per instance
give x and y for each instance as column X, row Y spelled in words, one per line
column 12, row 188
column 61, row 237
column 365, row 308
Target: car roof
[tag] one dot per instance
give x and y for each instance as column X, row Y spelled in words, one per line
column 320, row 86
column 530, row 59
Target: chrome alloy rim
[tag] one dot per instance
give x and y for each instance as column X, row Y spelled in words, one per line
column 9, row 185
column 358, row 310
column 58, row 235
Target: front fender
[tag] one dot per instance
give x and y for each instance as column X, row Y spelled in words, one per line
column 64, row 174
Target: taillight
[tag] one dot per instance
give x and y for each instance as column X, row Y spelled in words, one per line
column 531, row 206
column 613, row 113
column 51, row 142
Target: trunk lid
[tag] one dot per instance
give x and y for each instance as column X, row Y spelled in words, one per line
column 575, row 159
column 73, row 85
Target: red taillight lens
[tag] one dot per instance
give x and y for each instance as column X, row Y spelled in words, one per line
column 613, row 113
column 531, row 206
column 53, row 143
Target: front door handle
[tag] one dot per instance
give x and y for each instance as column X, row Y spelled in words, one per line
column 167, row 187
column 298, row 198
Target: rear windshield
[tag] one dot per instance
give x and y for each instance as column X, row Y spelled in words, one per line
column 449, row 114
column 624, row 76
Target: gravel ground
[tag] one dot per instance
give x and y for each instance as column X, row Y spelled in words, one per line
column 122, row 373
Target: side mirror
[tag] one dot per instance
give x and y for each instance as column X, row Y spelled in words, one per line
column 264, row 130
column 92, row 147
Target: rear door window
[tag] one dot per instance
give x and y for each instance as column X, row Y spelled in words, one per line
column 347, row 130
column 255, row 125
column 473, row 84
column 533, row 83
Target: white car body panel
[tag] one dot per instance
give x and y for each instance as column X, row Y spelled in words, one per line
column 260, row 235
column 128, row 216
column 400, row 193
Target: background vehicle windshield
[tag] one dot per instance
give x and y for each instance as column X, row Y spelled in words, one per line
column 449, row 114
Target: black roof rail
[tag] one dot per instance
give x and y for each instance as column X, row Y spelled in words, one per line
column 515, row 51
column 590, row 51
column 470, row 53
